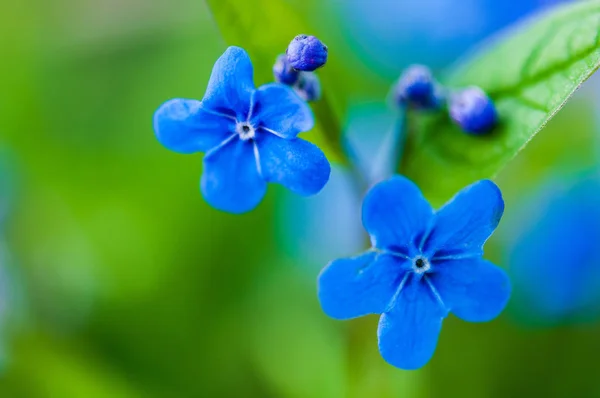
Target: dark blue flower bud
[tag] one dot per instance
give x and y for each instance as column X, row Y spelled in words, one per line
column 283, row 71
column 417, row 88
column 306, row 53
column 308, row 86
column 473, row 111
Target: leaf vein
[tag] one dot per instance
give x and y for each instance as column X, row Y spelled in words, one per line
column 551, row 33
column 544, row 75
column 532, row 104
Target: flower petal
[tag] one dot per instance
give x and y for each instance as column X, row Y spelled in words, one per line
column 353, row 287
column 181, row 125
column 231, row 181
column 278, row 109
column 394, row 213
column 408, row 333
column 474, row 290
column 467, row 220
column 296, row 164
column 231, row 86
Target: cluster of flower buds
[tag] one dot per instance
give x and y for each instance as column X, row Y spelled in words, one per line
column 469, row 108
column 296, row 67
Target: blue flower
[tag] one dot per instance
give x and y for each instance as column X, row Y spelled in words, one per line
column 423, row 265
column 249, row 136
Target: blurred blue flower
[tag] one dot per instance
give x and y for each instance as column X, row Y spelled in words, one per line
column 423, row 265
column 552, row 252
column 249, row 136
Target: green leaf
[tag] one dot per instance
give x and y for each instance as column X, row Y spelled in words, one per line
column 530, row 72
column 264, row 28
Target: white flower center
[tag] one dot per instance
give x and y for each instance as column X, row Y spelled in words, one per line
column 245, row 130
column 421, row 265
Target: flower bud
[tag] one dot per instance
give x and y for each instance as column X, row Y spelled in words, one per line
column 417, row 88
column 308, row 86
column 306, row 53
column 283, row 71
column 473, row 111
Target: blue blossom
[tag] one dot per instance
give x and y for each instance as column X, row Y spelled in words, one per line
column 249, row 136
column 473, row 111
column 306, row 53
column 423, row 265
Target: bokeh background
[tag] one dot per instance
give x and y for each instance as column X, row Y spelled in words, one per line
column 118, row 280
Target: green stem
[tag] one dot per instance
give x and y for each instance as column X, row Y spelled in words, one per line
column 330, row 127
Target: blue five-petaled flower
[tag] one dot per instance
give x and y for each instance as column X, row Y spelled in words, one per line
column 249, row 136
column 423, row 265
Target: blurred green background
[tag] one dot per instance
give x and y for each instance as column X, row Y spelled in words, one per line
column 120, row 281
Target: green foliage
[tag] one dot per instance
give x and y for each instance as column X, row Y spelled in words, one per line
column 318, row 356
column 530, row 71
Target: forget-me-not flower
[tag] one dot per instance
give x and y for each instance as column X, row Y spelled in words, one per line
column 423, row 265
column 249, row 136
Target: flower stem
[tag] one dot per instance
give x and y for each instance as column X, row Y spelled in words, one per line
column 330, row 127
